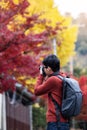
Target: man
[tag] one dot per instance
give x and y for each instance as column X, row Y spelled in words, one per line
column 48, row 83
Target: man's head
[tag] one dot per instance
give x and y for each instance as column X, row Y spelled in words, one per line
column 52, row 62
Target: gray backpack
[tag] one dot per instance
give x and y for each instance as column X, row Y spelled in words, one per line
column 71, row 100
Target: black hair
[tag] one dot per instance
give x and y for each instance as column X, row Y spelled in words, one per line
column 53, row 62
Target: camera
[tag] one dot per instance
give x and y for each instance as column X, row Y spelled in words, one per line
column 42, row 70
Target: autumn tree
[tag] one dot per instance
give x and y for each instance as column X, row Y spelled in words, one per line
column 26, row 33
column 19, row 52
column 67, row 32
column 83, row 85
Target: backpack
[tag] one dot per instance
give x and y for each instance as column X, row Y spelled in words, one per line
column 71, row 100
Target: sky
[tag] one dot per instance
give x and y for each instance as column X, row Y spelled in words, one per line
column 75, row 7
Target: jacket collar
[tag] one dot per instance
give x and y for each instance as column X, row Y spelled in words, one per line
column 55, row 73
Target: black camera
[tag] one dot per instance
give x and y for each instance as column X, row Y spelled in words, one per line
column 44, row 74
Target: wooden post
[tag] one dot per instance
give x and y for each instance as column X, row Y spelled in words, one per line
column 31, row 121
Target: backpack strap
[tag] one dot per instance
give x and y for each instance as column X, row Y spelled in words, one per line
column 64, row 90
column 57, row 107
column 60, row 77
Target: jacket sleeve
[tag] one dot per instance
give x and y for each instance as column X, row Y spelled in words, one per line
column 43, row 87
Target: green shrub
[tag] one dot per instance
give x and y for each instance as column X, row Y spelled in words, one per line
column 39, row 117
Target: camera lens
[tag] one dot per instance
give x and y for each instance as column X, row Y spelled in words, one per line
column 44, row 74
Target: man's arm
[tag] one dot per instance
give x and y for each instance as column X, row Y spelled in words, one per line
column 43, row 87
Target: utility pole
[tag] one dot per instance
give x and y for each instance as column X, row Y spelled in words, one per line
column 71, row 71
column 54, row 46
column 71, row 65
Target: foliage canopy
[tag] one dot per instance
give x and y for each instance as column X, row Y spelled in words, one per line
column 27, row 29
